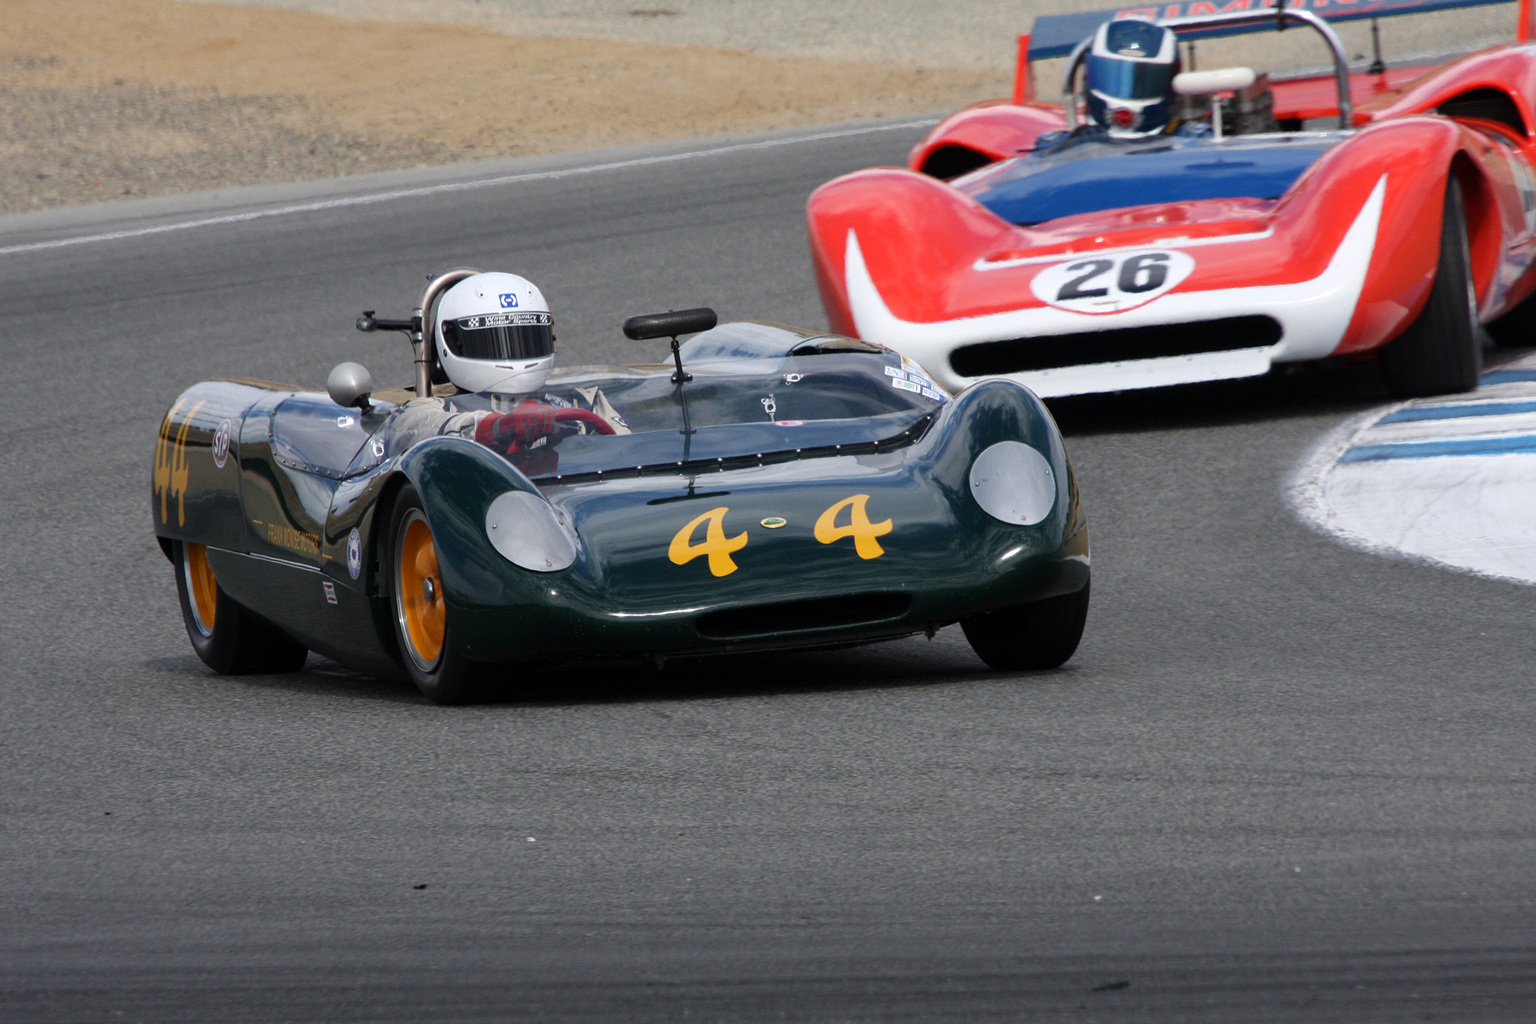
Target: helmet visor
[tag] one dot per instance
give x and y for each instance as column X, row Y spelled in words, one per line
column 500, row 336
column 1129, row 79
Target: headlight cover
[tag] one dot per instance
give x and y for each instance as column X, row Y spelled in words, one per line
column 530, row 533
column 1013, row 483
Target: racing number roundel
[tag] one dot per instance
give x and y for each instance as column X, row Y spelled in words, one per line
column 1112, row 283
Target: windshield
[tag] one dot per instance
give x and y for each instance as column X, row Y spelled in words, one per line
column 732, row 408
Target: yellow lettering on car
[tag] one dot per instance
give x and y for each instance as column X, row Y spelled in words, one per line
column 716, row 544
column 171, row 466
column 859, row 527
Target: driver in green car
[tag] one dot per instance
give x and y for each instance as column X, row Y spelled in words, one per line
column 494, row 337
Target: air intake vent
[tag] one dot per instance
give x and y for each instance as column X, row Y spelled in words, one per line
column 1488, row 104
column 795, row 616
column 1019, row 355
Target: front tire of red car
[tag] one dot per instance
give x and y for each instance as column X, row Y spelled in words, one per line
column 1441, row 352
column 419, row 609
column 226, row 636
column 1040, row 635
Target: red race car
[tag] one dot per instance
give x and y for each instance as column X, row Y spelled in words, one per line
column 1166, row 226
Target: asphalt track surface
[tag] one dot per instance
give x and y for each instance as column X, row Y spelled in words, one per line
column 1281, row 781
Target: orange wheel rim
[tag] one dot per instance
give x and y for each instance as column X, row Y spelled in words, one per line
column 203, row 585
column 422, row 610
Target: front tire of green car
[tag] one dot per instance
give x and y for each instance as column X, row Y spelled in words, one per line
column 1039, row 635
column 419, row 609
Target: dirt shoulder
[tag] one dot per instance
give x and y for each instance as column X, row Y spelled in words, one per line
column 106, row 100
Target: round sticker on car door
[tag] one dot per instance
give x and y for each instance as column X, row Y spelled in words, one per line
column 1112, row 283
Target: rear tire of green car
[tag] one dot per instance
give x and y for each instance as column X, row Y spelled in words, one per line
column 419, row 609
column 225, row 635
column 1040, row 635
column 1441, row 352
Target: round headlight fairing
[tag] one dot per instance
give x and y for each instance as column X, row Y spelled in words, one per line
column 529, row 533
column 1013, row 483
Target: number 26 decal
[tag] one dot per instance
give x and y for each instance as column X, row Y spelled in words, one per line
column 718, row 547
column 1112, row 284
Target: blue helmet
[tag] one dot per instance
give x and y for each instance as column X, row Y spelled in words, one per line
column 1129, row 76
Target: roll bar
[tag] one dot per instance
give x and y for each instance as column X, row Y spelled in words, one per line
column 420, row 328
column 1280, row 16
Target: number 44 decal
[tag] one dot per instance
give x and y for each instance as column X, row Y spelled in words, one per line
column 718, row 547
column 1112, row 283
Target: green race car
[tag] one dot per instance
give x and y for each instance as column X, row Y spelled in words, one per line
column 766, row 488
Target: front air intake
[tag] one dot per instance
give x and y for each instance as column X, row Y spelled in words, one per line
column 1049, row 352
column 799, row 616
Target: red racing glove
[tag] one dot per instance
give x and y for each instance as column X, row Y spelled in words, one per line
column 514, row 431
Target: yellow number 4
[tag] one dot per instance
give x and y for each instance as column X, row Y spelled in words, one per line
column 716, row 544
column 859, row 527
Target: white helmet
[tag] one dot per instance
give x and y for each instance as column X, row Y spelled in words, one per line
column 494, row 333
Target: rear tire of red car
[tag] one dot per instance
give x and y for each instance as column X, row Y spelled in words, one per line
column 227, row 637
column 1442, row 351
column 419, row 609
column 1040, row 635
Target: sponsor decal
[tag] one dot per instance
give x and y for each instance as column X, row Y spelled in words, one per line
column 171, row 466
column 470, row 323
column 789, row 423
column 1208, row 7
column 1112, row 284
column 774, row 522
column 1199, row 8
column 508, row 300
column 912, row 377
column 221, row 444
column 293, row 540
column 345, row 421
column 330, row 591
column 355, row 553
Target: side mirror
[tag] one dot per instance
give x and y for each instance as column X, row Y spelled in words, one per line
column 671, row 324
column 349, row 385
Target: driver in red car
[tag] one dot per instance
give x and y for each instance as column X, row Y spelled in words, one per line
column 1128, row 78
column 1128, row 83
column 494, row 336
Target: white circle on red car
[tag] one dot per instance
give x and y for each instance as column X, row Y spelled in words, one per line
column 1113, row 282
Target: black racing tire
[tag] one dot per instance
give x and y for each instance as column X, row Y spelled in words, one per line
column 1441, row 352
column 1040, row 635
column 225, row 634
column 419, row 611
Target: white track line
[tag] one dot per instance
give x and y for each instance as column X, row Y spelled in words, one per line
column 461, row 186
